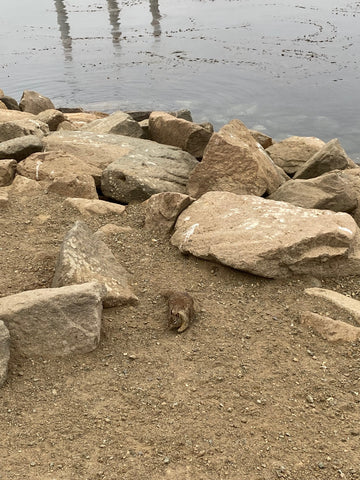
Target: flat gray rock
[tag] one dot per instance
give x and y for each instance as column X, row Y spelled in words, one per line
column 4, row 352
column 54, row 321
column 20, row 128
column 20, row 147
column 85, row 258
column 268, row 238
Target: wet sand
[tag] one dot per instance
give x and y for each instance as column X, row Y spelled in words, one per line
column 282, row 68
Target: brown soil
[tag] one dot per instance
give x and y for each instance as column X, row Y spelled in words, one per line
column 245, row 393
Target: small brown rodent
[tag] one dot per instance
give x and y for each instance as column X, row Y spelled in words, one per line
column 181, row 310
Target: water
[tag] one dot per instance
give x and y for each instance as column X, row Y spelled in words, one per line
column 286, row 68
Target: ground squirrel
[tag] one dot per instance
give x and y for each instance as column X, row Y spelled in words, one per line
column 181, row 310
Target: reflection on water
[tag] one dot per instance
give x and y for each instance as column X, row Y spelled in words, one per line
column 62, row 19
column 114, row 17
column 284, row 68
column 155, row 12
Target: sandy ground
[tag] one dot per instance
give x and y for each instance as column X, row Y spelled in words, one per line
column 245, row 392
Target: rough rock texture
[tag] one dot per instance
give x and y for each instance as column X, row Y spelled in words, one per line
column 95, row 207
column 184, row 113
column 268, row 238
column 264, row 140
column 330, row 329
column 331, row 191
column 331, row 157
column 147, row 170
column 14, row 115
column 79, row 119
column 233, row 161
column 4, row 352
column 348, row 305
column 20, row 147
column 169, row 130
column 7, row 172
column 84, row 257
column 52, row 118
column 48, row 165
column 102, row 150
column 118, row 123
column 25, row 187
column 290, row 154
column 2, row 106
column 20, row 128
column 35, row 103
column 73, row 185
column 4, row 199
column 162, row 210
column 54, row 321
column 10, row 102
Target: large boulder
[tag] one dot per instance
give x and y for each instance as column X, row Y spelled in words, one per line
column 268, row 238
column 34, row 103
column 233, row 161
column 7, row 172
column 4, row 352
column 290, row 154
column 54, row 321
column 118, row 123
column 48, row 165
column 20, row 128
column 331, row 191
column 330, row 157
column 20, row 147
column 264, row 140
column 84, row 257
column 102, row 150
column 169, row 130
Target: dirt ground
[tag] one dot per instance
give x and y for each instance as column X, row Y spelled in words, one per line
column 245, row 393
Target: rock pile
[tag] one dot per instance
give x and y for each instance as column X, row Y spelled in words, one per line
column 226, row 196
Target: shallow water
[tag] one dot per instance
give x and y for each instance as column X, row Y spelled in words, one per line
column 286, row 68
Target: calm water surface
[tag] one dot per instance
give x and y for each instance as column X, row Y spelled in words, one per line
column 284, row 67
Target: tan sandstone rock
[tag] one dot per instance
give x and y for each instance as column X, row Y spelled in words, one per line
column 2, row 106
column 348, row 305
column 233, row 161
column 84, row 257
column 118, row 123
column 331, row 191
column 330, row 157
column 264, row 140
column 53, row 118
column 169, row 130
column 290, row 154
column 162, row 210
column 54, row 321
column 268, row 238
column 7, row 172
column 73, row 185
column 95, row 207
column 330, row 329
column 34, row 103
column 48, row 165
